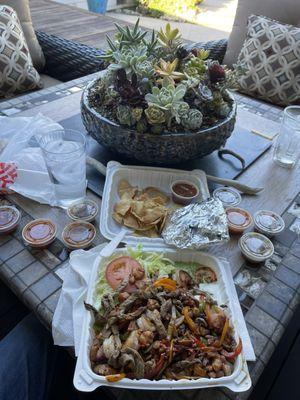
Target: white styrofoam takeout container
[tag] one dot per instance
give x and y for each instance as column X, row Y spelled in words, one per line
column 86, row 380
column 141, row 177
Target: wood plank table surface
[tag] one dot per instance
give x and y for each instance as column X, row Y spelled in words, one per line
column 71, row 22
column 271, row 293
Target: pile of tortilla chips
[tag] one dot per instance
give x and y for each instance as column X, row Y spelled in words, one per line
column 143, row 211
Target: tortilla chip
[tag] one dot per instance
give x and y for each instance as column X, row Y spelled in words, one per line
column 126, row 190
column 153, row 192
column 122, row 207
column 144, row 211
column 131, row 222
column 117, row 217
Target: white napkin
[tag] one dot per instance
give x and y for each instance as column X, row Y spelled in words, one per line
column 67, row 331
column 19, row 139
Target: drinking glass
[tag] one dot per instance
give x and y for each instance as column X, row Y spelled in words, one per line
column 287, row 147
column 65, row 156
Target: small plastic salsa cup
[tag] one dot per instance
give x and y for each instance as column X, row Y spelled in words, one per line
column 238, row 219
column 256, row 247
column 184, row 192
column 228, row 196
column 84, row 210
column 78, row 235
column 39, row 233
column 268, row 222
column 9, row 218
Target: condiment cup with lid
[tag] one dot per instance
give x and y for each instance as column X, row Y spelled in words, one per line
column 228, row 196
column 9, row 219
column 184, row 192
column 238, row 220
column 256, row 247
column 84, row 210
column 39, row 233
column 78, row 235
column 268, row 222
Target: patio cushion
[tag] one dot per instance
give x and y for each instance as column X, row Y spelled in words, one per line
column 17, row 73
column 22, row 9
column 285, row 11
column 271, row 55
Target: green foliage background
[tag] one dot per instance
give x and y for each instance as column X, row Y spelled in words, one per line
column 178, row 9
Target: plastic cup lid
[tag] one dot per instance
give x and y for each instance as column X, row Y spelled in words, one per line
column 79, row 233
column 229, row 197
column 9, row 216
column 84, row 210
column 238, row 217
column 39, row 231
column 269, row 221
column 257, row 245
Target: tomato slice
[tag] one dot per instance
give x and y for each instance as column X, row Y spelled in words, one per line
column 124, row 268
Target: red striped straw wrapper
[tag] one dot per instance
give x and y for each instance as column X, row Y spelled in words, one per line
column 8, row 174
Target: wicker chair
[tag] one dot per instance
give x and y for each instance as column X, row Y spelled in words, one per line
column 67, row 60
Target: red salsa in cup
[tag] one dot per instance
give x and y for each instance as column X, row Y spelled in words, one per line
column 185, row 189
column 183, row 192
column 238, row 219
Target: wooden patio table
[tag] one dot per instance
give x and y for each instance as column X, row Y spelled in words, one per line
column 272, row 293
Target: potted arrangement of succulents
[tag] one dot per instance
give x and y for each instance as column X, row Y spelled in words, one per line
column 158, row 101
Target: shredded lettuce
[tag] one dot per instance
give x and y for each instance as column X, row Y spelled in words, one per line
column 152, row 262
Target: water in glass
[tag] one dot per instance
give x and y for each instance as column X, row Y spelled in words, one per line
column 287, row 147
column 65, row 156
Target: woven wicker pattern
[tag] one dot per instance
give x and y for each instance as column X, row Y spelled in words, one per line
column 217, row 48
column 67, row 60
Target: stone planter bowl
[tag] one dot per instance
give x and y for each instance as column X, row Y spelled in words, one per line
column 165, row 148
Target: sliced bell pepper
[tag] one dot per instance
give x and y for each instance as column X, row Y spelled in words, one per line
column 237, row 351
column 166, row 283
column 199, row 343
column 115, row 377
column 224, row 331
column 191, row 324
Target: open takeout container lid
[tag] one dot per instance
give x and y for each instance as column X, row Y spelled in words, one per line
column 224, row 291
column 142, row 177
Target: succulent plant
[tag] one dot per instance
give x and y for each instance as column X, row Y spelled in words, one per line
column 141, row 126
column 168, row 69
column 182, row 52
column 136, row 113
column 195, row 67
column 200, row 53
column 168, row 98
column 110, row 96
column 128, row 59
column 129, row 36
column 152, row 44
column 204, row 93
column 193, row 119
column 144, row 69
column 129, row 91
column 169, row 39
column 124, row 115
column 219, row 106
column 216, row 72
column 224, row 110
column 154, row 83
column 155, row 115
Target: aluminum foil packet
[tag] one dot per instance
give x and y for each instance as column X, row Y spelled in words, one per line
column 197, row 225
